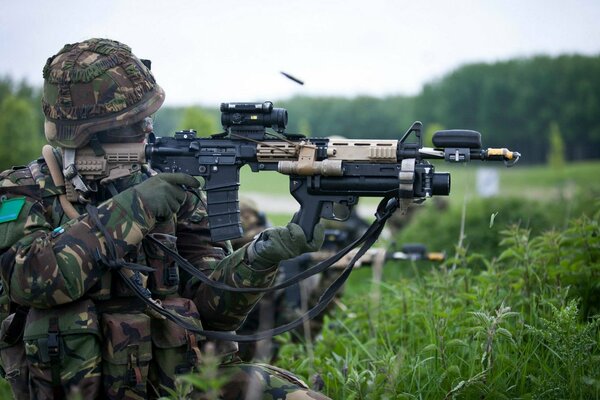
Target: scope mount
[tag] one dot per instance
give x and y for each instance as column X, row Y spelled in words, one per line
column 251, row 119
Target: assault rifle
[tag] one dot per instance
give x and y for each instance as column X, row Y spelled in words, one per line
column 373, row 256
column 327, row 176
column 378, row 255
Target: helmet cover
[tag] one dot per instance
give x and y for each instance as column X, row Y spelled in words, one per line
column 93, row 86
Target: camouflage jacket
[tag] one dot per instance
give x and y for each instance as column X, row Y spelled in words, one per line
column 47, row 259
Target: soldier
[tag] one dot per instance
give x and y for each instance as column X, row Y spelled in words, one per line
column 74, row 251
column 263, row 316
column 254, row 221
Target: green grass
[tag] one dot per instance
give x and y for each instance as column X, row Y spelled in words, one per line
column 523, row 327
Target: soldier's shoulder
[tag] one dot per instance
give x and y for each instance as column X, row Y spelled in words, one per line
column 20, row 175
column 33, row 177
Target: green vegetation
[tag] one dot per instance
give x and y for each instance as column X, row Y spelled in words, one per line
column 197, row 119
column 518, row 325
column 513, row 312
column 556, row 153
column 21, row 122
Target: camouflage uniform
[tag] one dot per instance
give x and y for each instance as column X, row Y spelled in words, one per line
column 71, row 326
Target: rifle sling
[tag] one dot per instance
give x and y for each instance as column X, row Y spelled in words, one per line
column 192, row 270
column 386, row 207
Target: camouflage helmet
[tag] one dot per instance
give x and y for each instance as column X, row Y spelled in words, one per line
column 94, row 86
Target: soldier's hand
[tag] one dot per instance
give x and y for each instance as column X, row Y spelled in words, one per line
column 282, row 243
column 163, row 194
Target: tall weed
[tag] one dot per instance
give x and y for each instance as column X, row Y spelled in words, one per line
column 517, row 325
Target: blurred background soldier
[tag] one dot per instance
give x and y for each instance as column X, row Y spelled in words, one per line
column 254, row 221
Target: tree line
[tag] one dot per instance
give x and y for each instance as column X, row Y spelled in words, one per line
column 514, row 103
column 21, row 123
column 523, row 104
column 529, row 104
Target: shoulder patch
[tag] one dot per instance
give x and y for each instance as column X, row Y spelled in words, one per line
column 10, row 209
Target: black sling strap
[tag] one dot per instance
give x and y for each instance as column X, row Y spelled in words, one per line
column 386, row 207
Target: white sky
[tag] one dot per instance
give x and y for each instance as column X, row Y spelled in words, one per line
column 232, row 50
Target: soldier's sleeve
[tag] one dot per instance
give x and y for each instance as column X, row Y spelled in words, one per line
column 44, row 266
column 219, row 310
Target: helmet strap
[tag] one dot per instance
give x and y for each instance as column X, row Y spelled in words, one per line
column 96, row 146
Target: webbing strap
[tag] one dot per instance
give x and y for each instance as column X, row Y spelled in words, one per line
column 54, row 355
column 386, row 207
column 194, row 325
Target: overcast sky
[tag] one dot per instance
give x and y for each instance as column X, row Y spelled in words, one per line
column 207, row 52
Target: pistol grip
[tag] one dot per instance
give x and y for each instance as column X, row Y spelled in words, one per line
column 307, row 217
column 315, row 206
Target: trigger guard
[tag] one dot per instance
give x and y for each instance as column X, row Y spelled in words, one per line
column 335, row 211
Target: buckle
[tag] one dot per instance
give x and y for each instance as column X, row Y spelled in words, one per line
column 70, row 171
column 53, row 345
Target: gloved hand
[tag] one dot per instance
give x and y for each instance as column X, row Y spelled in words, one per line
column 129, row 221
column 161, row 194
column 282, row 243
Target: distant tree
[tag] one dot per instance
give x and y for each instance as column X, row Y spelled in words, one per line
column 20, row 132
column 304, row 127
column 430, row 129
column 199, row 120
column 513, row 102
column 5, row 88
column 556, row 151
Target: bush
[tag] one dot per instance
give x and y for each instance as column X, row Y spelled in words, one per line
column 485, row 219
